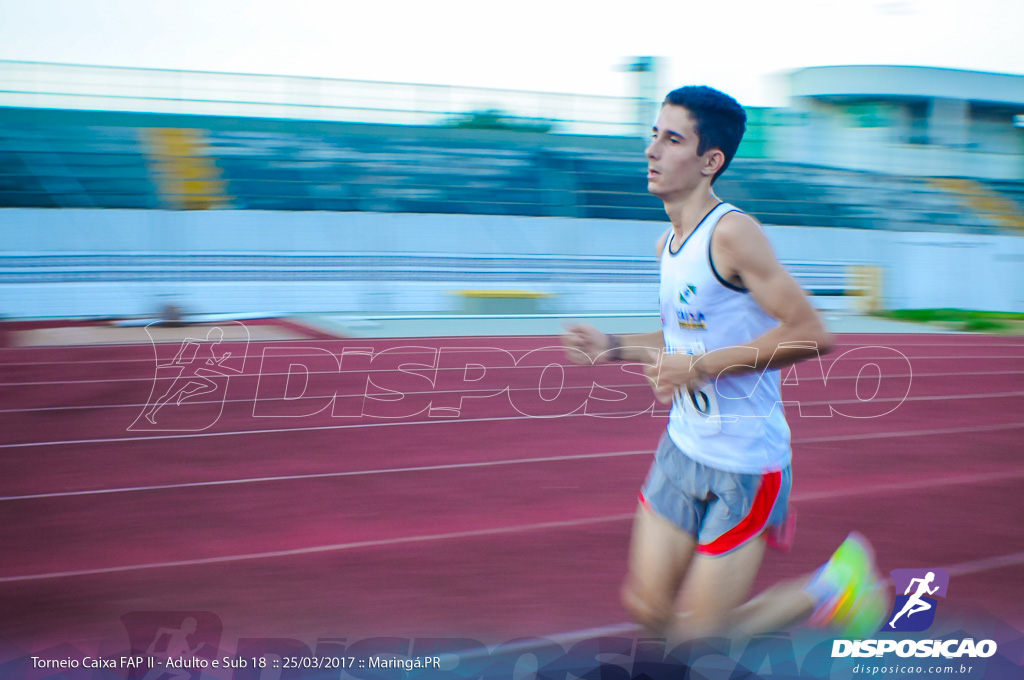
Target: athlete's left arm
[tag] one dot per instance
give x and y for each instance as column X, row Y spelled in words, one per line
column 743, row 256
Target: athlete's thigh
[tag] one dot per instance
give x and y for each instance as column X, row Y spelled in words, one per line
column 660, row 553
column 716, row 585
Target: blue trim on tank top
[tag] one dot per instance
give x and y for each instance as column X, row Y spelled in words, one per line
column 672, row 232
column 711, row 260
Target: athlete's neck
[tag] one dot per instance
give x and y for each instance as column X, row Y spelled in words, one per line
column 687, row 213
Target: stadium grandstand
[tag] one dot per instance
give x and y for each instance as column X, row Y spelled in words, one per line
column 65, row 157
column 87, row 137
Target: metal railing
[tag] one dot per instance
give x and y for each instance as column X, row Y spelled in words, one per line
column 827, row 279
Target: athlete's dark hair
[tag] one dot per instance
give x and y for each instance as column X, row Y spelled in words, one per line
column 719, row 120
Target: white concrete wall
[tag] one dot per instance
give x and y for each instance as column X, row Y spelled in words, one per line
column 30, row 230
column 920, row 270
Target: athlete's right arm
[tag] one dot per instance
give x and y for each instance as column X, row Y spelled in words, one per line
column 599, row 347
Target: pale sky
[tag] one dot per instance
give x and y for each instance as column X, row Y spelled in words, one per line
column 739, row 46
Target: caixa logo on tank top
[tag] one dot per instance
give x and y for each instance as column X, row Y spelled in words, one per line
column 691, row 320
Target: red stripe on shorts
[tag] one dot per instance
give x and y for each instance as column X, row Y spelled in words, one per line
column 753, row 523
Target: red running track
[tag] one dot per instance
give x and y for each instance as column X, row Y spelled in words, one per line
column 318, row 517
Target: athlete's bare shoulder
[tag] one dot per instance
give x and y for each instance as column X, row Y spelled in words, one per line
column 738, row 243
column 737, row 224
column 743, row 255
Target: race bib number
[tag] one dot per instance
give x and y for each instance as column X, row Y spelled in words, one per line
column 699, row 406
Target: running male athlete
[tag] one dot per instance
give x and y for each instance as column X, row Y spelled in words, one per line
column 719, row 486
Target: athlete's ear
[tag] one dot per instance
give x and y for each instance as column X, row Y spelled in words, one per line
column 714, row 159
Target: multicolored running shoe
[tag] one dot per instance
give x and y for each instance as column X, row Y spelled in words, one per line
column 851, row 597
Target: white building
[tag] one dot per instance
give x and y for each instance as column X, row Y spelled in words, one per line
column 905, row 120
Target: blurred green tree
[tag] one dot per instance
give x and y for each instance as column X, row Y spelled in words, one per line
column 496, row 119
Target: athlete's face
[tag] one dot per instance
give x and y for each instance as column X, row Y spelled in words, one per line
column 674, row 169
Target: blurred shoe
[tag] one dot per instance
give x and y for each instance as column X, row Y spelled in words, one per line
column 851, row 597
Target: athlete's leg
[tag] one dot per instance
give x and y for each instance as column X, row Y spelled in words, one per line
column 779, row 607
column 714, row 597
column 844, row 594
column 739, row 508
column 715, row 587
column 659, row 555
column 664, row 537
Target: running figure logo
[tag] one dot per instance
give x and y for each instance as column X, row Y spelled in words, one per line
column 176, row 646
column 189, row 389
column 914, row 610
column 160, row 637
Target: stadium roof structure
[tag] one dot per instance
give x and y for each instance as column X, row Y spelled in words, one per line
column 872, row 82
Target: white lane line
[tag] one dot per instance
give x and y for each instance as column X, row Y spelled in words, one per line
column 440, row 421
column 471, row 392
column 369, row 371
column 901, row 486
column 285, row 430
column 914, row 485
column 626, row 628
column 329, row 475
column 352, row 342
column 964, row 568
column 325, row 548
column 909, row 433
column 973, row 566
column 985, row 564
column 876, row 340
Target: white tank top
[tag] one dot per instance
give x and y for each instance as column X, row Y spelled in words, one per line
column 737, row 422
